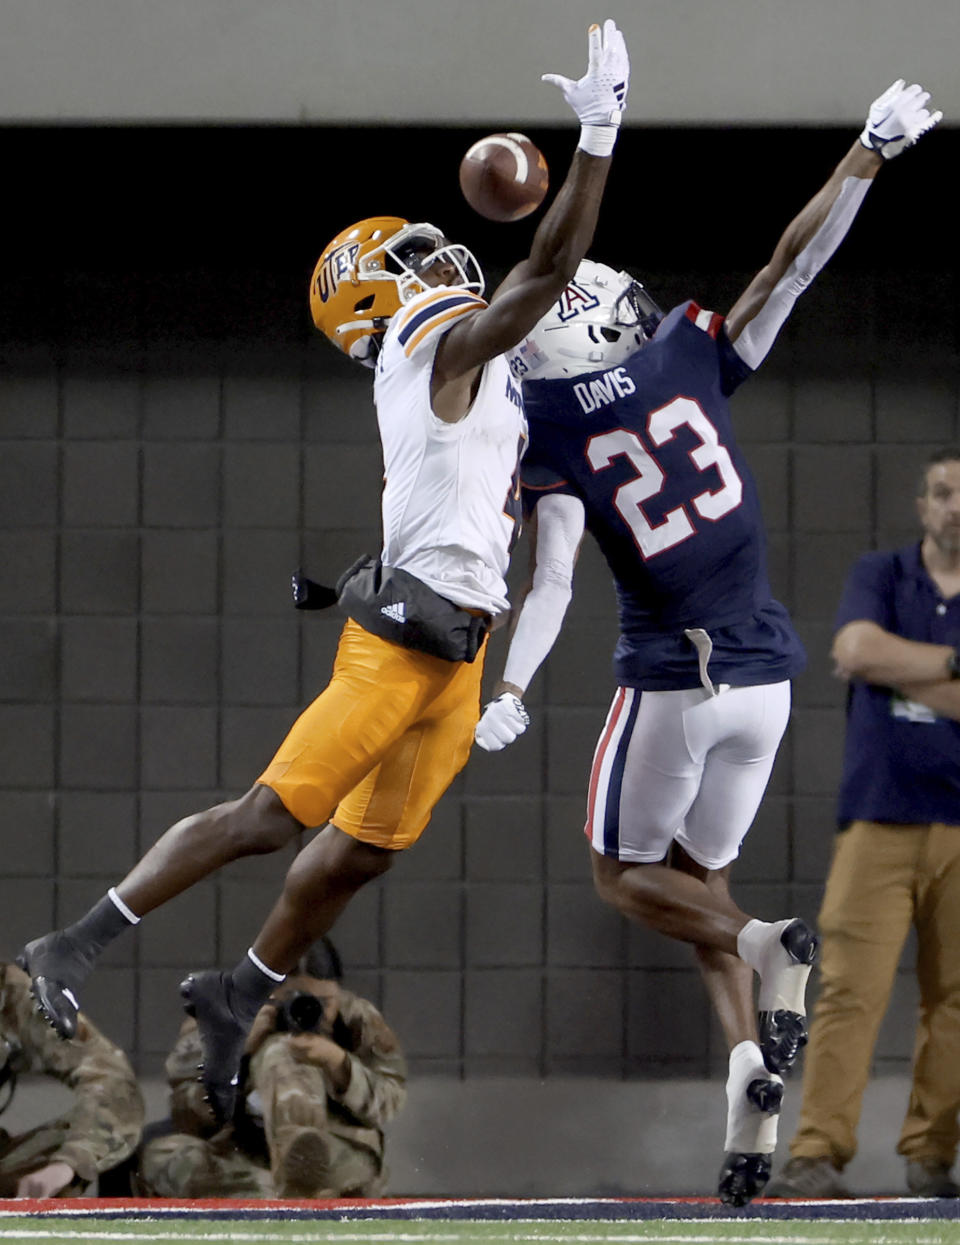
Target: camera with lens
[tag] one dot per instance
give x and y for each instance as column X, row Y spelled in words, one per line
column 300, row 1012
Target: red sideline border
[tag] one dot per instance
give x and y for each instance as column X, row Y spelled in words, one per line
column 353, row 1209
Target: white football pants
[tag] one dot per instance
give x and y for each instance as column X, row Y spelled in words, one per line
column 686, row 766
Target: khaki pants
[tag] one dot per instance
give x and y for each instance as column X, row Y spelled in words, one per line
column 882, row 880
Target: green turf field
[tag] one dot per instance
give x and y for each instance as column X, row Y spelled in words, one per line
column 52, row 1231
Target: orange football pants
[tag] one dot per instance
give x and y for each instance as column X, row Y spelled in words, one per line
column 381, row 743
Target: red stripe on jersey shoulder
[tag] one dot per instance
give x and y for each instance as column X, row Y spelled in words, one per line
column 710, row 321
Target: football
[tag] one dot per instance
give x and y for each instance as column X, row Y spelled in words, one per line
column 504, row 177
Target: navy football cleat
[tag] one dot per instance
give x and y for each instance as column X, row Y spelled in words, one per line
column 222, row 1036
column 742, row 1178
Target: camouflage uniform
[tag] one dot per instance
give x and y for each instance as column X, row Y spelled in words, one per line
column 103, row 1126
column 285, row 1099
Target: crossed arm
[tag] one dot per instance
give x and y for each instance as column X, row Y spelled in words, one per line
column 864, row 650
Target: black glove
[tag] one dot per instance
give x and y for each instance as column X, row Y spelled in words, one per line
column 308, row 595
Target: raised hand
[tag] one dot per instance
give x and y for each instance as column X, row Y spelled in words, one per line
column 897, row 119
column 598, row 98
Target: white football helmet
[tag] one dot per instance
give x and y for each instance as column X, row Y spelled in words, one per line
column 600, row 319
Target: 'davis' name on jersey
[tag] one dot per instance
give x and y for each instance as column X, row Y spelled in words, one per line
column 604, row 389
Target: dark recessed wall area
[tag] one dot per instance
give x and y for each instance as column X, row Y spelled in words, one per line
column 175, row 439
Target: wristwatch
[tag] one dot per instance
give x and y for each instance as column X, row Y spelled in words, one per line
column 953, row 664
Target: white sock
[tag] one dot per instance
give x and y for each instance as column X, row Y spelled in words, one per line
column 752, row 942
column 749, row 1131
column 782, row 980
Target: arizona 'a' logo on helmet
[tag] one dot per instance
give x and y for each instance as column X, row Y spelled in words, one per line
column 369, row 271
column 600, row 320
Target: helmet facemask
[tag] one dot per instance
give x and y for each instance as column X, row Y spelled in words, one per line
column 370, row 271
column 601, row 319
column 413, row 250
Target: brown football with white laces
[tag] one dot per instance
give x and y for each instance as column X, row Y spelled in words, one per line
column 504, row 177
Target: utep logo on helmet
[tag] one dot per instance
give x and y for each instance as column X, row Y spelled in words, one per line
column 575, row 299
column 335, row 267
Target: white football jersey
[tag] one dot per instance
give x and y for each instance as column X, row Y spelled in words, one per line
column 451, row 495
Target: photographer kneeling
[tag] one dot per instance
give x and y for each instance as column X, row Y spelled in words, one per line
column 323, row 1074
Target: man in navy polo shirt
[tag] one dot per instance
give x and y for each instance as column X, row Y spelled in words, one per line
column 896, row 861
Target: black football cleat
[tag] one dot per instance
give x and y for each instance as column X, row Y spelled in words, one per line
column 800, row 942
column 222, row 1037
column 55, row 966
column 782, row 1016
column 766, row 1096
column 783, row 1035
column 742, row 1178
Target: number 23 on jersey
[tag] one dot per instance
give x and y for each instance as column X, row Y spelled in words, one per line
column 678, row 524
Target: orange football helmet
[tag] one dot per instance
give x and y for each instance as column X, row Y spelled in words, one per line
column 369, row 271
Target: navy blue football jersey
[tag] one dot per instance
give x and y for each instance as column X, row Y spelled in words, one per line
column 649, row 449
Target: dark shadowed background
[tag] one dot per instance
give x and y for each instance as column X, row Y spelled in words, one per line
column 175, row 439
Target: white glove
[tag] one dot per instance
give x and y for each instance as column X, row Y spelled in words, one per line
column 598, row 98
column 897, row 119
column 503, row 720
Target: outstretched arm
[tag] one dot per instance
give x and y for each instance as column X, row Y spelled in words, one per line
column 563, row 235
column 896, row 120
column 556, row 529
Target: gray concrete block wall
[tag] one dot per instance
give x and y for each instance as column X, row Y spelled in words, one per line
column 151, row 512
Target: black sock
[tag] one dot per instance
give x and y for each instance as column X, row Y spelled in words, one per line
column 250, row 987
column 68, row 955
column 101, row 925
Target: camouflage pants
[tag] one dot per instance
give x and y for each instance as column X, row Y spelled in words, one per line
column 30, row 1151
column 293, row 1095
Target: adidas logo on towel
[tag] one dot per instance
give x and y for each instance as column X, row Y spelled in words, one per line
column 397, row 612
